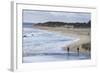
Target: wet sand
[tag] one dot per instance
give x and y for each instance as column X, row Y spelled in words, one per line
column 82, row 33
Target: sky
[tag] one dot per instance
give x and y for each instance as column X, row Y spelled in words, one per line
column 32, row 16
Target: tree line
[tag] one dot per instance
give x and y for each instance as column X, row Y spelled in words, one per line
column 59, row 24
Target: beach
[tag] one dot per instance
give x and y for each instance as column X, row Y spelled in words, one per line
column 82, row 33
column 51, row 44
column 55, row 36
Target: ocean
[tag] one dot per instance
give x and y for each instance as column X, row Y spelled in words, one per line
column 41, row 45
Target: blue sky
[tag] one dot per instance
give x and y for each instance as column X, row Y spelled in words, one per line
column 31, row 16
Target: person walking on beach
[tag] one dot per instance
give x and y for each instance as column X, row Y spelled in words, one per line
column 78, row 50
column 68, row 50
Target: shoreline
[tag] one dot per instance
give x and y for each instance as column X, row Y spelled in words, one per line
column 82, row 34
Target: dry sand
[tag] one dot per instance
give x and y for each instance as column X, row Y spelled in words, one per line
column 82, row 33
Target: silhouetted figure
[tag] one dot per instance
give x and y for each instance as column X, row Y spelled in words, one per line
column 78, row 50
column 68, row 50
column 24, row 36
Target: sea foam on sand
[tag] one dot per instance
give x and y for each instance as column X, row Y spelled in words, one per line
column 36, row 41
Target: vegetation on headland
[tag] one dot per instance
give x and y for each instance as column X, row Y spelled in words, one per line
column 63, row 24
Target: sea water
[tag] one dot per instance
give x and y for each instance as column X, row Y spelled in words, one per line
column 41, row 45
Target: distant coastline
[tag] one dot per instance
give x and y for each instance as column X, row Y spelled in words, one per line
column 61, row 24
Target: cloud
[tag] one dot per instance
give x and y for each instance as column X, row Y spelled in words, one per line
column 44, row 16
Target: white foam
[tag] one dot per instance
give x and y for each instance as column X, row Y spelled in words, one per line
column 41, row 41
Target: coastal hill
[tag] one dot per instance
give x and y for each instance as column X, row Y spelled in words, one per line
column 63, row 24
